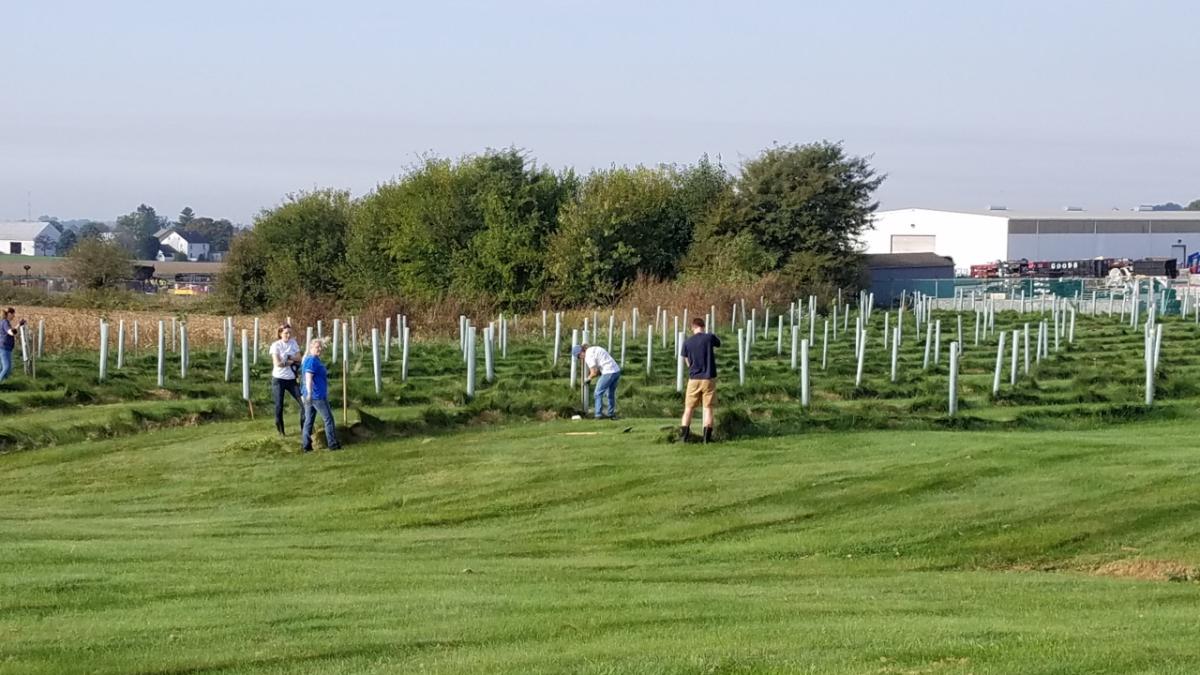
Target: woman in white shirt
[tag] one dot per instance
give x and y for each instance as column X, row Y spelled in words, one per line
column 285, row 357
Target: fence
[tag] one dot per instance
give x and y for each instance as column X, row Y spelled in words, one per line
column 999, row 289
column 1028, row 287
column 1011, row 293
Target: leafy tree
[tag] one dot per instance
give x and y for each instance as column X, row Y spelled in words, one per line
column 720, row 253
column 92, row 230
column 371, row 267
column 1194, row 206
column 821, row 273
column 404, row 234
column 809, row 198
column 296, row 248
column 721, row 249
column 244, row 282
column 476, row 227
column 497, row 227
column 219, row 233
column 701, row 188
column 519, row 206
column 136, row 231
column 1169, row 206
column 97, row 264
column 186, row 216
column 66, row 242
column 626, row 223
column 43, row 243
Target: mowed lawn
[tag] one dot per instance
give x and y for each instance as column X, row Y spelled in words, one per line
column 531, row 549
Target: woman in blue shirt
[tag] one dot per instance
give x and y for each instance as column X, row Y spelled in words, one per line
column 315, row 393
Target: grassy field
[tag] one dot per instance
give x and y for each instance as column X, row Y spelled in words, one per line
column 1051, row 531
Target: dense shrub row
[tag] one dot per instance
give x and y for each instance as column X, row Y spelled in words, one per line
column 500, row 230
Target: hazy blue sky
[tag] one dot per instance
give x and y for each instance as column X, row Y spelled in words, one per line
column 226, row 106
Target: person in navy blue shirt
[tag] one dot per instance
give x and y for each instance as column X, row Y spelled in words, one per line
column 697, row 351
column 8, row 332
column 315, row 395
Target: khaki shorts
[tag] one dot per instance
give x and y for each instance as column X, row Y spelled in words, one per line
column 701, row 392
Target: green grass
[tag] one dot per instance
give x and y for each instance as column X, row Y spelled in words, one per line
column 525, row 549
column 10, row 257
column 1052, row 531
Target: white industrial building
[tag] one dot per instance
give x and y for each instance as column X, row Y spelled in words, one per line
column 986, row 236
column 28, row 238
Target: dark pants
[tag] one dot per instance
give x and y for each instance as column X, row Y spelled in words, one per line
column 278, row 387
column 318, row 405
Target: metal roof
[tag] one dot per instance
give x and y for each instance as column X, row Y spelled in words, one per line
column 27, row 231
column 878, row 261
column 187, row 235
column 1062, row 214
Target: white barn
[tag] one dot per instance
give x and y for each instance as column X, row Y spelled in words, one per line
column 190, row 244
column 28, row 238
column 979, row 237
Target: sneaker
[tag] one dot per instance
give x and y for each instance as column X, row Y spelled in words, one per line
column 334, row 447
column 613, row 417
column 306, row 450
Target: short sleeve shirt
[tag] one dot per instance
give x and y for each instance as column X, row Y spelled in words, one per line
column 598, row 357
column 320, row 385
column 702, row 362
column 283, row 350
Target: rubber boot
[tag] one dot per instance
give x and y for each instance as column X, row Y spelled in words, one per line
column 707, row 435
column 685, row 434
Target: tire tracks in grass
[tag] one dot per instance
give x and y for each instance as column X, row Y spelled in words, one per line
column 519, row 508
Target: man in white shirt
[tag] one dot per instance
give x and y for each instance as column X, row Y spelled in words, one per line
column 599, row 363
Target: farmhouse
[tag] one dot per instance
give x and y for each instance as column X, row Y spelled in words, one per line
column 978, row 237
column 187, row 244
column 28, row 238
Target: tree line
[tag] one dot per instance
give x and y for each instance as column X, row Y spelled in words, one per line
column 499, row 227
column 134, row 232
column 1194, row 205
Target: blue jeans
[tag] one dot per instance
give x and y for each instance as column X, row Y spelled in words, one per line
column 321, row 406
column 607, row 384
column 5, row 363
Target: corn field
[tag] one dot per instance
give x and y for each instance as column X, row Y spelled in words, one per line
column 74, row 329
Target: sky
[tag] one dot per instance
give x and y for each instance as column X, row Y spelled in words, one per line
column 229, row 106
